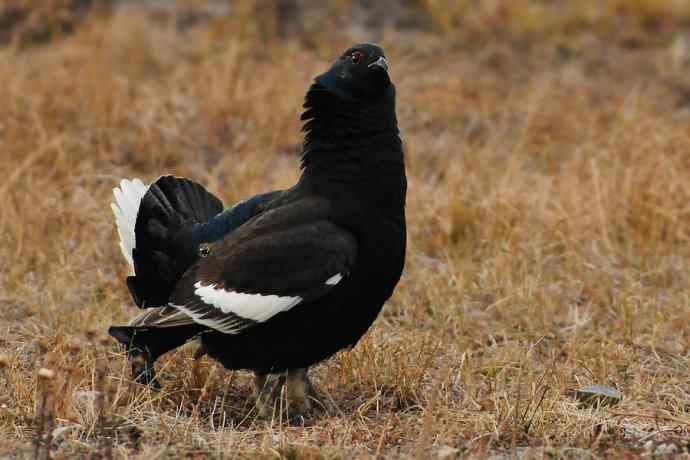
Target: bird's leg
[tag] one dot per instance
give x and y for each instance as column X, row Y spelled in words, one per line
column 142, row 368
column 301, row 395
column 267, row 391
column 300, row 392
column 259, row 384
column 200, row 352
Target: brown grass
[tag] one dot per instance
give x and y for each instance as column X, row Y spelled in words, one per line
column 549, row 241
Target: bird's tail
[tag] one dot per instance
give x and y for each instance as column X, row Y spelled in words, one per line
column 145, row 344
column 155, row 340
column 151, row 334
column 155, row 225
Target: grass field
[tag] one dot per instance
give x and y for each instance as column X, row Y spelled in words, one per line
column 548, row 156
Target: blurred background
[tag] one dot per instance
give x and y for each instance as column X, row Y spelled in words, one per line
column 464, row 22
column 548, row 156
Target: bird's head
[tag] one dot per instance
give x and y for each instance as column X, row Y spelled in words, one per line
column 361, row 72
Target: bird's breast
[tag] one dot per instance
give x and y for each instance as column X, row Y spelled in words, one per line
column 381, row 254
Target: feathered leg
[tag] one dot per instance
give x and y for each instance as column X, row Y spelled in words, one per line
column 301, row 394
column 267, row 391
column 299, row 391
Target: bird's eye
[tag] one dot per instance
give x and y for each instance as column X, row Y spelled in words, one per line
column 356, row 56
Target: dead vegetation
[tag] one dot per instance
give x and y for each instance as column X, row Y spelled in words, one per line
column 549, row 237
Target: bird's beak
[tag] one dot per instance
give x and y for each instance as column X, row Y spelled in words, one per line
column 380, row 63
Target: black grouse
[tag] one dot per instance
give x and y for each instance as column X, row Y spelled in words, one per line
column 284, row 279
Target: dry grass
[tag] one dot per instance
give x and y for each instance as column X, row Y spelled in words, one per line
column 549, row 245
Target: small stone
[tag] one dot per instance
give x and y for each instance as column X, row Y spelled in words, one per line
column 62, row 430
column 447, row 452
column 598, row 395
column 661, row 449
column 47, row 374
column 86, row 397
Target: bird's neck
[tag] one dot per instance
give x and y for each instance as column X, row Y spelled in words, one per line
column 350, row 141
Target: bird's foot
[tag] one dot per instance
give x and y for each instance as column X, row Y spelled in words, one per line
column 300, row 396
column 143, row 371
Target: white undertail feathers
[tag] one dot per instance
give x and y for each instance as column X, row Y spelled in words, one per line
column 126, row 207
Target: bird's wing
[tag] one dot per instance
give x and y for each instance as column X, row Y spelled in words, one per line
column 244, row 280
column 165, row 316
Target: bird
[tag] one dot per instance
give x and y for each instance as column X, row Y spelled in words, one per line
column 284, row 279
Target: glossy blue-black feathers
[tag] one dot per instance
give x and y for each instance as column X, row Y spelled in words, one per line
column 335, row 241
column 228, row 220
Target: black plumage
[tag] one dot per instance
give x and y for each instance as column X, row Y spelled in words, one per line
column 287, row 278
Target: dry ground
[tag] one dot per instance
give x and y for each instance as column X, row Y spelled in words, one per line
column 549, row 244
